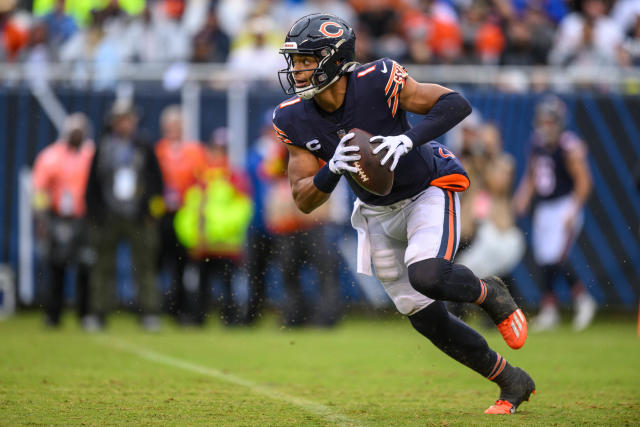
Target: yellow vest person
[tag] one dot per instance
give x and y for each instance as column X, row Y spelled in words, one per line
column 214, row 219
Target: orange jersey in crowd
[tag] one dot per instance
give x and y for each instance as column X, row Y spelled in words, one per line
column 182, row 166
column 62, row 173
column 13, row 38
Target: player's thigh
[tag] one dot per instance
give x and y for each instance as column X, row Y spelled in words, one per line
column 433, row 226
column 387, row 255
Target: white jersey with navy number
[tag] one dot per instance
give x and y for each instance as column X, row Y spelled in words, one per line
column 371, row 104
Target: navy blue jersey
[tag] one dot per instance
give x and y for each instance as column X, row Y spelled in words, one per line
column 551, row 178
column 371, row 104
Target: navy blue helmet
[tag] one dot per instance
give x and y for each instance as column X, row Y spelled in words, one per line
column 330, row 39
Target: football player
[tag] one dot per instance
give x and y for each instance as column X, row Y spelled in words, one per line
column 558, row 181
column 410, row 235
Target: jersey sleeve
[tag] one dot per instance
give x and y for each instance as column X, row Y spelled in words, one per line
column 282, row 122
column 385, row 77
column 282, row 135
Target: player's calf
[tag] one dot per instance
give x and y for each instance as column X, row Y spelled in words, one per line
column 465, row 345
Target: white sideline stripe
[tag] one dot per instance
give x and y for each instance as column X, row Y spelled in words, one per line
column 313, row 407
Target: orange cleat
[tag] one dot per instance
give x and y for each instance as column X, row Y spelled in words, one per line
column 512, row 394
column 503, row 407
column 496, row 300
column 500, row 408
column 514, row 329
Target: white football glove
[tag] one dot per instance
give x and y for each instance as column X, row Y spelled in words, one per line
column 339, row 163
column 397, row 146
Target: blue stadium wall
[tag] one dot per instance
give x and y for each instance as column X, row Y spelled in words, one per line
column 607, row 256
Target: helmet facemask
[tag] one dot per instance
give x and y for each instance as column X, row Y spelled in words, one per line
column 329, row 69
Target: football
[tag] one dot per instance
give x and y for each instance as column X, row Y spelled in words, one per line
column 371, row 176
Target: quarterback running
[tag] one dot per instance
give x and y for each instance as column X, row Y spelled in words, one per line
column 410, row 235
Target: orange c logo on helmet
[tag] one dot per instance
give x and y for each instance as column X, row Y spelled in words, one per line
column 323, row 29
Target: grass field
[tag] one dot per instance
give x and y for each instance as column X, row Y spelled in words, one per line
column 375, row 372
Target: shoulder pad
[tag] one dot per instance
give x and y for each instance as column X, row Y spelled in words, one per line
column 281, row 120
column 289, row 102
column 387, row 76
column 570, row 142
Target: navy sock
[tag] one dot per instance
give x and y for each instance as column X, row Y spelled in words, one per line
column 459, row 341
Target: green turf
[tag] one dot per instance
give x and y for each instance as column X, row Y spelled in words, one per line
column 376, row 372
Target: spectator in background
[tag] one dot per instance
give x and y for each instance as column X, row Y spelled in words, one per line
column 528, row 38
column 37, row 55
column 587, row 38
column 433, row 33
column 300, row 240
column 182, row 163
column 558, row 182
column 111, row 14
column 60, row 25
column 212, row 224
column 380, row 19
column 553, row 10
column 483, row 40
column 12, row 36
column 468, row 147
column 377, row 17
column 60, row 178
column 625, row 13
column 234, row 14
column 82, row 10
column 211, row 44
column 253, row 55
column 365, row 44
column 630, row 55
column 123, row 198
column 157, row 35
column 498, row 244
column 489, row 42
column 97, row 48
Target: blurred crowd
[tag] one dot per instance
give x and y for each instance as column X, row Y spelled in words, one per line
column 244, row 33
column 186, row 214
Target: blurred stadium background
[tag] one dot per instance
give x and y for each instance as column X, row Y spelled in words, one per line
column 218, row 60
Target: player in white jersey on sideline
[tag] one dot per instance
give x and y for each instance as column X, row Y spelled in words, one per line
column 558, row 183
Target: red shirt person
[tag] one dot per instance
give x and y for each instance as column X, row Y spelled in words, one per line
column 60, row 176
column 61, row 171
